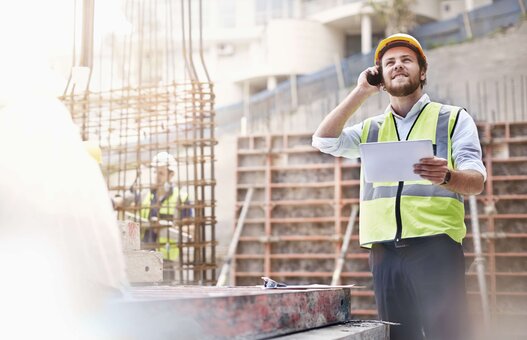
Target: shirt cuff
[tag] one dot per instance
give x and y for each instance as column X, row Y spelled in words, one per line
column 474, row 166
column 326, row 145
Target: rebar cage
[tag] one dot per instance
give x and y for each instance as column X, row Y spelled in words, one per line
column 138, row 110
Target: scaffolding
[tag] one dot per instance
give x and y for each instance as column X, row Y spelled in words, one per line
column 137, row 102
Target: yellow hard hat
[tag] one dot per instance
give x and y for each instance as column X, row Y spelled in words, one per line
column 94, row 150
column 398, row 39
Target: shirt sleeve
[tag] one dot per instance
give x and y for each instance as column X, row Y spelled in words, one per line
column 346, row 145
column 466, row 147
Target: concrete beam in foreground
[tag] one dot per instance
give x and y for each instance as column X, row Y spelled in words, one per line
column 224, row 313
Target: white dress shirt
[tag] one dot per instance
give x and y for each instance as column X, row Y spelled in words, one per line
column 466, row 148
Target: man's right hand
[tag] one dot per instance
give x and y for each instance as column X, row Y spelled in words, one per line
column 334, row 122
column 362, row 82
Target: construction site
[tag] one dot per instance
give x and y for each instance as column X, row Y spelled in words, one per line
column 252, row 233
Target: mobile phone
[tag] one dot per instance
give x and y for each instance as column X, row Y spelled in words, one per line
column 374, row 79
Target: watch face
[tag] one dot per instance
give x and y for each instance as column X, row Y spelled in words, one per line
column 447, row 177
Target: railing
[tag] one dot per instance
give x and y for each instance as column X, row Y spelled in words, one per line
column 311, row 89
column 473, row 24
column 490, row 100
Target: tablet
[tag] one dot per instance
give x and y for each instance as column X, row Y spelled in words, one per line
column 393, row 161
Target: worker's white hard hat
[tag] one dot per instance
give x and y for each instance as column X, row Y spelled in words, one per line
column 164, row 159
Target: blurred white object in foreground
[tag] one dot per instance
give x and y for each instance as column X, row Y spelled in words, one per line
column 59, row 241
column 60, row 249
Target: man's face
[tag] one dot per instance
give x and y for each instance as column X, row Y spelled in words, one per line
column 162, row 175
column 401, row 73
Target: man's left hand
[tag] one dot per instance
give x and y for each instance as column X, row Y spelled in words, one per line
column 433, row 169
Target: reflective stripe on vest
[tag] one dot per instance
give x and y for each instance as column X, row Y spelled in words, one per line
column 390, row 210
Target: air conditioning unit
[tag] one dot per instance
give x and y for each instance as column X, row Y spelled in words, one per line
column 225, row 49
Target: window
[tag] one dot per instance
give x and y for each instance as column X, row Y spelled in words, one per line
column 273, row 9
column 228, row 13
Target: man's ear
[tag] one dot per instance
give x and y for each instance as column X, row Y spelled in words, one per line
column 170, row 174
column 423, row 75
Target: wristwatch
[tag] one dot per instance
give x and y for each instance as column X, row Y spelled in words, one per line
column 447, row 178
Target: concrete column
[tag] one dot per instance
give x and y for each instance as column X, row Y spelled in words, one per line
column 245, row 118
column 366, row 35
column 294, row 91
column 297, row 9
column 271, row 83
column 469, row 5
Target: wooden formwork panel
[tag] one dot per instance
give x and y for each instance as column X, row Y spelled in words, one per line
column 302, row 203
column 502, row 215
column 298, row 214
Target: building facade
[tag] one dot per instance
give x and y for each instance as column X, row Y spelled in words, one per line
column 253, row 45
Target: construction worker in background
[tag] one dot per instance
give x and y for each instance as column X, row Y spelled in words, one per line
column 413, row 229
column 163, row 203
column 159, row 207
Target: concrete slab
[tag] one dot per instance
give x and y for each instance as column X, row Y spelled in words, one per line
column 144, row 266
column 357, row 330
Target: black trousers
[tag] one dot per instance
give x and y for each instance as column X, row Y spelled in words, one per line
column 422, row 287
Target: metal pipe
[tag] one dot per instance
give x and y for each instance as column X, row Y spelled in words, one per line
column 479, row 259
column 222, row 279
column 190, row 58
column 201, row 42
column 345, row 245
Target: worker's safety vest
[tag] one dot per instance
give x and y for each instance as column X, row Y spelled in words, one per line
column 400, row 210
column 167, row 209
column 170, row 207
column 168, row 248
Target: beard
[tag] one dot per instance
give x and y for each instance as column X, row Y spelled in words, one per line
column 402, row 90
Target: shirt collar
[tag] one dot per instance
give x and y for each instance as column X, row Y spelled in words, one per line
column 414, row 110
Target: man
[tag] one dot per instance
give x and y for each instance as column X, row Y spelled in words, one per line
column 159, row 206
column 414, row 229
column 162, row 205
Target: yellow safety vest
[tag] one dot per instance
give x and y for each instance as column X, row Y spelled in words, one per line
column 400, row 210
column 170, row 250
column 167, row 210
column 167, row 207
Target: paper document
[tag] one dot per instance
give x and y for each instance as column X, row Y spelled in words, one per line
column 393, row 161
column 313, row 286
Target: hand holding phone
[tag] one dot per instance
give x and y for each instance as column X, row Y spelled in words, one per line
column 374, row 79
